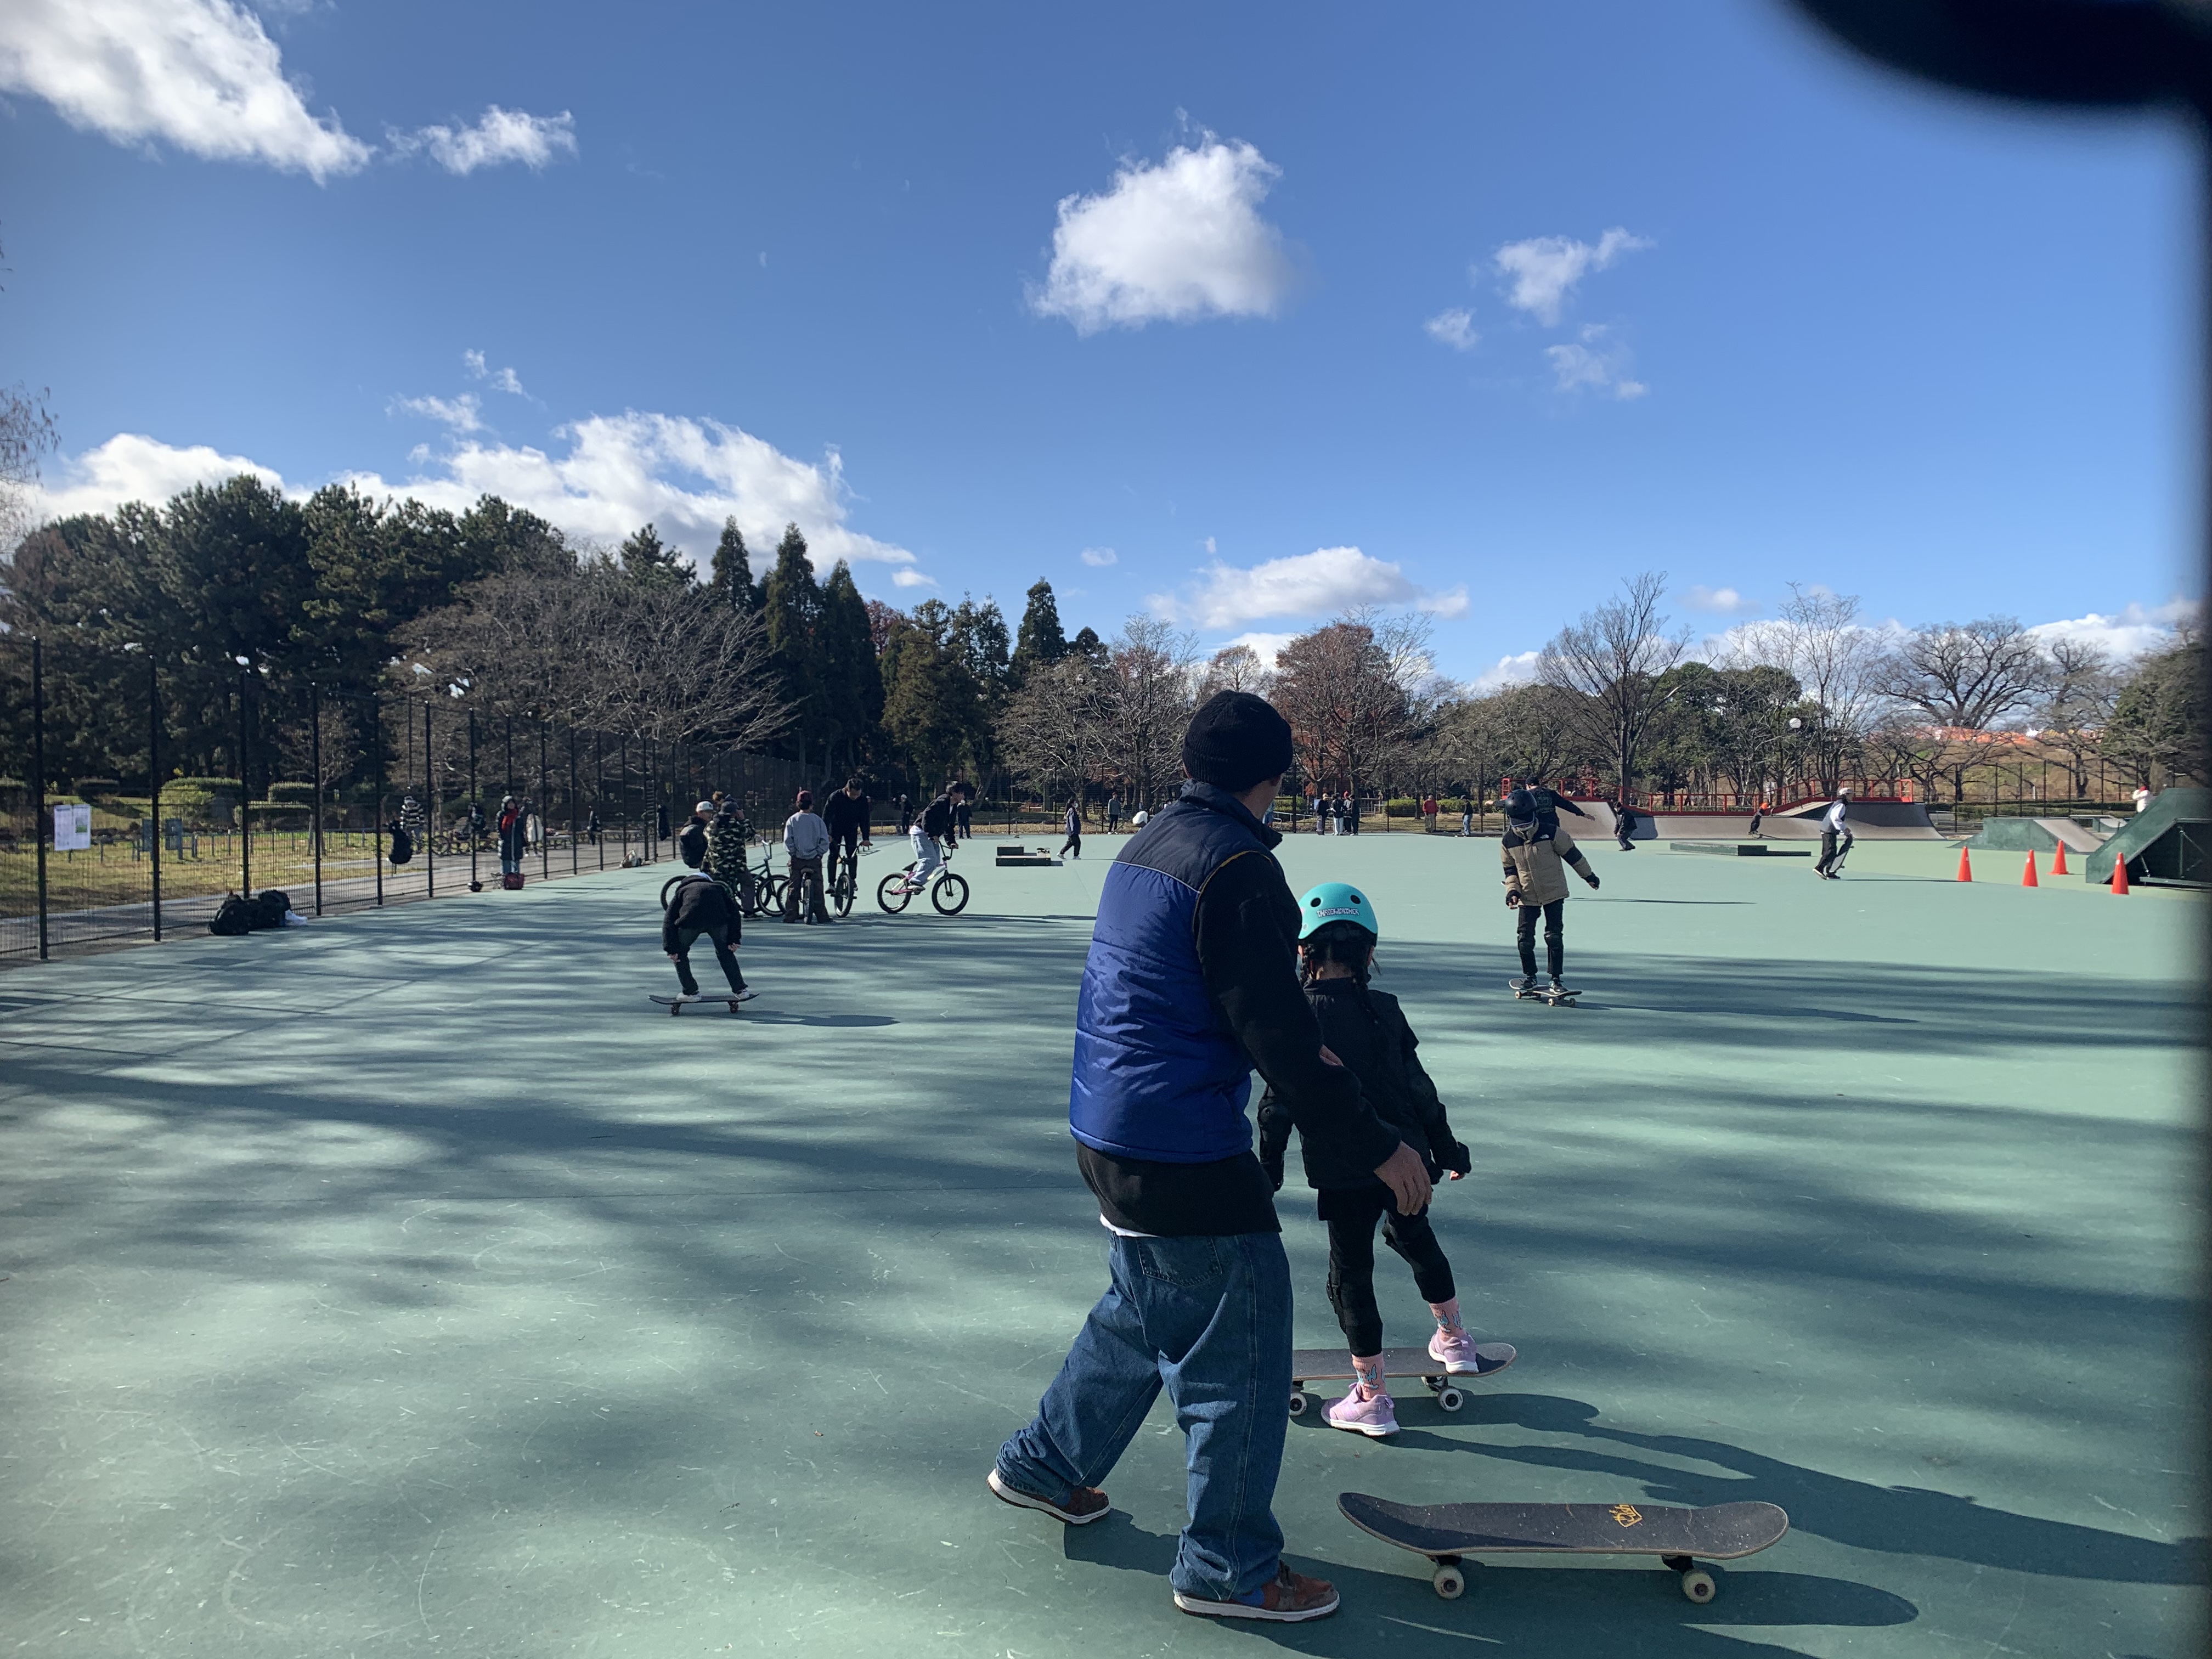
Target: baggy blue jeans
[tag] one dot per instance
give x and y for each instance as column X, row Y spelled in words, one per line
column 1209, row 1319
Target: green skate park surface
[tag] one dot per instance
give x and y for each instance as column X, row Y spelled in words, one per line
column 409, row 1283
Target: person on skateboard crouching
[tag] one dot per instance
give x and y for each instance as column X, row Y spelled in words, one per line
column 1536, row 856
column 1367, row 1030
column 699, row 905
column 1189, row 985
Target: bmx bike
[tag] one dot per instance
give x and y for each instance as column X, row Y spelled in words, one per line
column 948, row 893
column 845, row 880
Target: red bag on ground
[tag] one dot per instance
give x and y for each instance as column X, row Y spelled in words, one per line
column 511, row 880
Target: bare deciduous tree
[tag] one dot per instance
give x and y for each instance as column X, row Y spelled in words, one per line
column 1840, row 664
column 1236, row 668
column 2083, row 686
column 1150, row 687
column 1052, row 730
column 1612, row 660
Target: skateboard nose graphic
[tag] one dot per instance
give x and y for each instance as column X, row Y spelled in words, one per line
column 1628, row 1514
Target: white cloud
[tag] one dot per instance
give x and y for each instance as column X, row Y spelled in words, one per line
column 131, row 467
column 1209, row 544
column 1099, row 557
column 1517, row 670
column 618, row 472
column 201, row 74
column 1456, row 328
column 1544, row 269
column 1598, row 362
column 503, row 379
column 1316, row 584
column 1175, row 242
column 904, row 577
column 1266, row 646
column 461, row 413
column 2131, row 631
column 1722, row 601
column 501, row 136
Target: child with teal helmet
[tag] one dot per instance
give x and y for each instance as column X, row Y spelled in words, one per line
column 1367, row 1031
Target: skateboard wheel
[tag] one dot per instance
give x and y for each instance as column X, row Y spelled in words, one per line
column 1450, row 1582
column 1698, row 1585
column 674, row 1009
column 1299, row 1402
column 1450, row 1399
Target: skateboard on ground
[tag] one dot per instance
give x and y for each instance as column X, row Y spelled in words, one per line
column 677, row 1004
column 1446, row 1532
column 1334, row 1364
column 1543, row 994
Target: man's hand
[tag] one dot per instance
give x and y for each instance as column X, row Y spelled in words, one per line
column 1513, row 900
column 1407, row 1177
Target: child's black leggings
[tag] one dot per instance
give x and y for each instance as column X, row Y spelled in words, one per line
column 1351, row 1217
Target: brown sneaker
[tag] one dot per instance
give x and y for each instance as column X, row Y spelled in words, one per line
column 1289, row 1598
column 1085, row 1504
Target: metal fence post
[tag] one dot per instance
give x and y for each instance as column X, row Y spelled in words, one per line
column 573, row 855
column 475, row 805
column 39, row 779
column 376, row 827
column 429, row 813
column 245, row 795
column 153, row 783
column 544, row 816
column 315, row 760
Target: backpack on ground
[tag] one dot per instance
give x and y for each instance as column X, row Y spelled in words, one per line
column 233, row 917
column 403, row 845
column 270, row 908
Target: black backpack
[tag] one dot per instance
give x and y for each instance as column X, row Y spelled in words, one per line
column 233, row 916
column 270, row 908
column 403, row 845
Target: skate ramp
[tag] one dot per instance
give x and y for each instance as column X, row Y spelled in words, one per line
column 1871, row 820
column 2169, row 841
column 2021, row 834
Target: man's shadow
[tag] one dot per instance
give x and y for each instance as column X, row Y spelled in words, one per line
column 1893, row 1520
column 1550, row 1609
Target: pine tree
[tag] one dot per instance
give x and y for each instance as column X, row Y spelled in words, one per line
column 1040, row 640
column 791, row 601
column 651, row 562
column 845, row 650
column 732, row 569
column 1088, row 646
column 929, row 701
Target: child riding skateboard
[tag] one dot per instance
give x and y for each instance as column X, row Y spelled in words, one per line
column 1367, row 1030
column 1536, row 860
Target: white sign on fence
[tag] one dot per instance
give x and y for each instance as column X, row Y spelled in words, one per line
column 72, row 828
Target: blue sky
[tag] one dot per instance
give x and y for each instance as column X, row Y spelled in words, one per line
column 1266, row 310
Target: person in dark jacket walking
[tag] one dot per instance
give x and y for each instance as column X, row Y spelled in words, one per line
column 1189, row 985
column 692, row 840
column 1367, row 1031
column 697, row 906
column 1073, row 847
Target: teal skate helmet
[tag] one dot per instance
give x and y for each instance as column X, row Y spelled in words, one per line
column 1335, row 901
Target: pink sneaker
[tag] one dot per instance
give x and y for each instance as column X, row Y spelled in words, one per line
column 1373, row 1416
column 1457, row 1350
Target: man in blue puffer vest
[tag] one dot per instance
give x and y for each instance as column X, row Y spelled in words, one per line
column 1191, row 983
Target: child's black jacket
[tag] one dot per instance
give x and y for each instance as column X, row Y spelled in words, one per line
column 1366, row 1030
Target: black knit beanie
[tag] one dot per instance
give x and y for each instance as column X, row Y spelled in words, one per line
column 1236, row 741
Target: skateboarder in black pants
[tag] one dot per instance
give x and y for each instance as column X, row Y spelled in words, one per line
column 1367, row 1030
column 1623, row 825
column 1074, row 844
column 1536, row 883
column 697, row 905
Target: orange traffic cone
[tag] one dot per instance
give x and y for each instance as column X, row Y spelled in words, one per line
column 2028, row 877
column 2120, row 875
column 2058, row 862
column 1965, row 866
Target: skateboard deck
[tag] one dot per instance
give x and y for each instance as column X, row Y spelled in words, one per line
column 1334, row 1364
column 677, row 1004
column 1446, row 1532
column 1543, row 994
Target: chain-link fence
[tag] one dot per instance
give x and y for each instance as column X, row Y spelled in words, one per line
column 134, row 795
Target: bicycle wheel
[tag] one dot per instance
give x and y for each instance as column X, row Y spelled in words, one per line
column 949, row 896
column 892, row 892
column 771, row 891
column 841, row 892
column 664, row 887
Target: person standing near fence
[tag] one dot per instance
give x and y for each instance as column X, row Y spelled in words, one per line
column 512, row 831
column 1113, row 813
column 1073, row 847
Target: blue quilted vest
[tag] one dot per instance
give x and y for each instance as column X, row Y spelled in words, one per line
column 1158, row 1074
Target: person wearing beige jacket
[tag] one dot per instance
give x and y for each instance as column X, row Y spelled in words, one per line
column 1537, row 860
